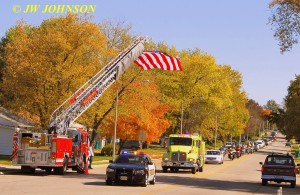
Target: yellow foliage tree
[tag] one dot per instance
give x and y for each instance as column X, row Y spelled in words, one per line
column 47, row 63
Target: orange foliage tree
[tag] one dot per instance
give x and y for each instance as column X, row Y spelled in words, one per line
column 139, row 109
column 266, row 112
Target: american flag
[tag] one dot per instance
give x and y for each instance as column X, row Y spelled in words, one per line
column 157, row 59
column 15, row 148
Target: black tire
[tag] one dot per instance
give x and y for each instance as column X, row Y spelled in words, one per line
column 264, row 182
column 293, row 184
column 27, row 169
column 201, row 169
column 48, row 170
column 62, row 170
column 152, row 182
column 108, row 182
column 165, row 169
column 145, row 184
column 194, row 170
column 32, row 170
column 65, row 165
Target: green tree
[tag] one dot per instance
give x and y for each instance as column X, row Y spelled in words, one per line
column 274, row 112
column 285, row 20
column 256, row 118
column 291, row 118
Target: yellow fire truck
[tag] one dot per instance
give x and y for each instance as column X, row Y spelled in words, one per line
column 184, row 151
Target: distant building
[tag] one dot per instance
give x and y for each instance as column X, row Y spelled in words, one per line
column 9, row 123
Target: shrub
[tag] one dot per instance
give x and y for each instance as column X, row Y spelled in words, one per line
column 107, row 150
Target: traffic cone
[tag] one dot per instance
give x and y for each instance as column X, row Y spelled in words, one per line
column 86, row 169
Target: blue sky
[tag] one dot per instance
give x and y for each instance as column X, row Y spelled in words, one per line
column 235, row 32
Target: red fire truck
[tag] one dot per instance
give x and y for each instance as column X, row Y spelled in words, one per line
column 52, row 151
column 60, row 147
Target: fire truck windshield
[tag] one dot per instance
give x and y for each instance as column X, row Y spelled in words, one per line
column 181, row 141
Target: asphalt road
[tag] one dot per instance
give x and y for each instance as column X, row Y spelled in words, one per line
column 240, row 176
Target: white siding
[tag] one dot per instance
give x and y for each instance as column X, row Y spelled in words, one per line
column 6, row 140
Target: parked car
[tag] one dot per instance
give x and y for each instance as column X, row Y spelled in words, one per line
column 289, row 144
column 132, row 144
column 229, row 144
column 214, row 156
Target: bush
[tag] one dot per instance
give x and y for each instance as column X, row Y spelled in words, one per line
column 107, row 150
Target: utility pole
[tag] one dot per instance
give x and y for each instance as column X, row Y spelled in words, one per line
column 181, row 118
column 115, row 127
column 216, row 130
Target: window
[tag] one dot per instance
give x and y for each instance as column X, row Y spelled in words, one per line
column 180, row 141
column 279, row 160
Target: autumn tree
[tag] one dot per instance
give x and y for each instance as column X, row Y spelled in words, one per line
column 285, row 20
column 256, row 118
column 290, row 123
column 139, row 108
column 206, row 92
column 46, row 64
column 274, row 108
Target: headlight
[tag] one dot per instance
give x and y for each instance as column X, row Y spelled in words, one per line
column 142, row 171
column 192, row 160
column 166, row 159
column 109, row 170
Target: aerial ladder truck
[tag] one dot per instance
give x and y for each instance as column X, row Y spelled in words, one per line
column 61, row 148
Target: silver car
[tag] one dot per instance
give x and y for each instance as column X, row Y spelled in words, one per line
column 214, row 156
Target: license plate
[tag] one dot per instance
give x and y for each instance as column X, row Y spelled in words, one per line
column 278, row 177
column 123, row 178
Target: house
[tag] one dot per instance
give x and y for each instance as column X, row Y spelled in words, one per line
column 9, row 123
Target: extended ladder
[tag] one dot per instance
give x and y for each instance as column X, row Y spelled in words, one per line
column 86, row 95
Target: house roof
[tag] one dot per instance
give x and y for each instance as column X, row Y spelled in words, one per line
column 10, row 119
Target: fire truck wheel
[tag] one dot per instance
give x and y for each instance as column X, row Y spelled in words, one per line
column 194, row 170
column 201, row 169
column 48, row 170
column 27, row 169
column 65, row 165
column 165, row 169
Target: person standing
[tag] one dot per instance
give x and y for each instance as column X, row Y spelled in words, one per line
column 91, row 154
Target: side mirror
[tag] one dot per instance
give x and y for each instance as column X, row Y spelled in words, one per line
column 110, row 161
column 260, row 163
column 298, row 165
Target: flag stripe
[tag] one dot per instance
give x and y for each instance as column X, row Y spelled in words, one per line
column 155, row 59
column 142, row 63
column 165, row 61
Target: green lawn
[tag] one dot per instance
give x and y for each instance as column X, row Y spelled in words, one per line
column 4, row 160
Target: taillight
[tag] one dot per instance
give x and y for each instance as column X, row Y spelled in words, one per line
column 295, row 171
column 53, row 155
column 262, row 169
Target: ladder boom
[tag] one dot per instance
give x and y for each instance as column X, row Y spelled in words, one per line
column 93, row 89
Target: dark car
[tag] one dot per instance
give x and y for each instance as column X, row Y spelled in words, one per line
column 132, row 144
column 279, row 168
column 131, row 168
column 288, row 144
